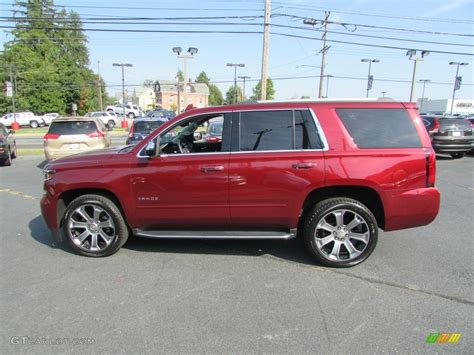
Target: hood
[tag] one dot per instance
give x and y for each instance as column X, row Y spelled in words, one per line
column 100, row 156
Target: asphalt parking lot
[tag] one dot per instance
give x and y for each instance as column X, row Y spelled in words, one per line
column 165, row 296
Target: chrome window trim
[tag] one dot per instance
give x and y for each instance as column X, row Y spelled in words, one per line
column 321, row 134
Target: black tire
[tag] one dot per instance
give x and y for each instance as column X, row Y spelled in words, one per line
column 34, row 124
column 458, row 155
column 131, row 115
column 8, row 160
column 14, row 153
column 111, row 124
column 347, row 208
column 118, row 237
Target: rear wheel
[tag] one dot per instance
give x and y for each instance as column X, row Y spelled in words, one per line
column 14, row 152
column 340, row 232
column 34, row 124
column 457, row 155
column 111, row 124
column 8, row 160
column 94, row 226
column 131, row 115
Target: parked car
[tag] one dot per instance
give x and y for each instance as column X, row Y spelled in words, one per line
column 74, row 135
column 110, row 119
column 450, row 135
column 214, row 130
column 131, row 111
column 159, row 113
column 333, row 172
column 141, row 128
column 48, row 117
column 7, row 146
column 23, row 119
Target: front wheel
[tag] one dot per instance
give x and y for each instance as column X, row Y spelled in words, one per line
column 34, row 124
column 340, row 232
column 111, row 124
column 94, row 226
column 131, row 115
column 8, row 159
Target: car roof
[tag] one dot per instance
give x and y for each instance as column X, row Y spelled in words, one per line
column 72, row 119
column 150, row 119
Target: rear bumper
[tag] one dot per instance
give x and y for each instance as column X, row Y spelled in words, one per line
column 411, row 208
column 452, row 144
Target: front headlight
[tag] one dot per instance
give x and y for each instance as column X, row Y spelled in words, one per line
column 48, row 174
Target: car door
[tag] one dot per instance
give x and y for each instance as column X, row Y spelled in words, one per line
column 276, row 159
column 183, row 191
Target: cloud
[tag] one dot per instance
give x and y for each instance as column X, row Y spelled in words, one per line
column 447, row 7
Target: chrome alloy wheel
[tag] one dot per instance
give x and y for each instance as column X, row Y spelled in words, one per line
column 342, row 235
column 91, row 228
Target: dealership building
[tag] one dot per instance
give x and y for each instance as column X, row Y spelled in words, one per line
column 461, row 106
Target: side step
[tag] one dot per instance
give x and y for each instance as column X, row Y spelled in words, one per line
column 206, row 234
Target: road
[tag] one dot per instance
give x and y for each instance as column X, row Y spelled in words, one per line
column 37, row 142
column 166, row 296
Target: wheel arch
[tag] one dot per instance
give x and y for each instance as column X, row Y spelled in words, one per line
column 365, row 195
column 68, row 196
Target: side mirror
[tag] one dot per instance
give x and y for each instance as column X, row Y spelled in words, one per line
column 197, row 136
column 152, row 149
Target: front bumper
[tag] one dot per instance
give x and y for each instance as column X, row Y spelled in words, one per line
column 49, row 213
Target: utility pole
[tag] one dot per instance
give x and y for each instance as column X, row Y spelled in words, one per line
column 244, row 77
column 311, row 21
column 101, row 105
column 457, row 81
column 123, row 65
column 424, row 81
column 266, row 40
column 14, row 125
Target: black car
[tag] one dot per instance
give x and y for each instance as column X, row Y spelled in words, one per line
column 142, row 127
column 7, row 146
column 160, row 113
column 449, row 135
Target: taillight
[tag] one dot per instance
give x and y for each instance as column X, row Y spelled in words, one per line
column 212, row 138
column 96, row 134
column 436, row 126
column 49, row 136
column 430, row 168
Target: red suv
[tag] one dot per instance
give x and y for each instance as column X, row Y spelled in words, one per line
column 331, row 171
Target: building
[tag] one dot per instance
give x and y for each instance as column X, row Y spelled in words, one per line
column 461, row 106
column 196, row 94
column 144, row 97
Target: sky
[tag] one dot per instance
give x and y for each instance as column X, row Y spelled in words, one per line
column 448, row 24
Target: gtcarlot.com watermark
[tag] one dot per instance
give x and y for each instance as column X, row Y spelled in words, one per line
column 28, row 340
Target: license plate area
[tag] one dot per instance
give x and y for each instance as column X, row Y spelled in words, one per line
column 456, row 134
column 74, row 146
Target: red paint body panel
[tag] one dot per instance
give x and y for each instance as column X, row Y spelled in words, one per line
column 252, row 190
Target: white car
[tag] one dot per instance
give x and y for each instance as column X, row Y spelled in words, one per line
column 110, row 119
column 48, row 117
column 131, row 111
column 23, row 119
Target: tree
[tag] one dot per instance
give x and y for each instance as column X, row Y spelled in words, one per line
column 305, row 97
column 258, row 89
column 230, row 96
column 215, row 95
column 180, row 75
column 148, row 83
column 49, row 55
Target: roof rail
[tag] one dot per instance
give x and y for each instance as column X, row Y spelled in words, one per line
column 358, row 99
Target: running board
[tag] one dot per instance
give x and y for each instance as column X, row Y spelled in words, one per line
column 175, row 234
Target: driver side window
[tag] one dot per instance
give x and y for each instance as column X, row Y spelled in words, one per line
column 201, row 134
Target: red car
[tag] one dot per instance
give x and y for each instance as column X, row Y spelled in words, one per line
column 333, row 172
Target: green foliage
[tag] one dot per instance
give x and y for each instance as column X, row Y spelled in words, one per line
column 231, row 93
column 174, row 107
column 215, row 95
column 148, row 83
column 180, row 75
column 48, row 56
column 258, row 89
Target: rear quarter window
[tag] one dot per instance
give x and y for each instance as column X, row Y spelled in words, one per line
column 380, row 128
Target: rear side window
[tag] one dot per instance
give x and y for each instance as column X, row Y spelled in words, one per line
column 306, row 135
column 266, row 130
column 380, row 128
column 72, row 127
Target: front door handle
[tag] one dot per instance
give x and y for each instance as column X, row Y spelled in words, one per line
column 304, row 165
column 212, row 169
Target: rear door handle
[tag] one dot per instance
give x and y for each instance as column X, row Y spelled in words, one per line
column 304, row 165
column 212, row 169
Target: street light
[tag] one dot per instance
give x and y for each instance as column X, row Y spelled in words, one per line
column 123, row 65
column 412, row 54
column 370, row 78
column 457, row 81
column 383, row 93
column 179, row 96
column 190, row 55
column 424, row 81
column 244, row 77
column 235, row 65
